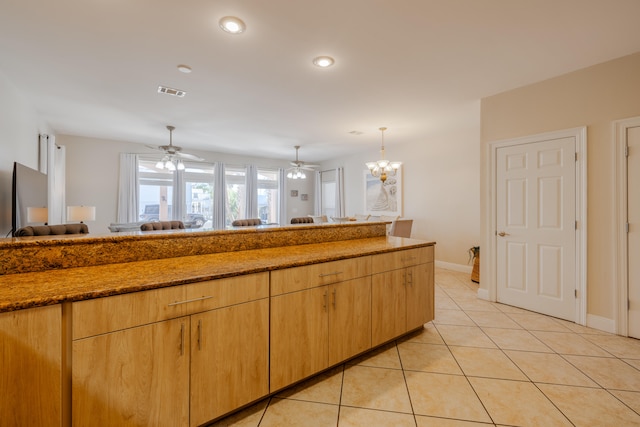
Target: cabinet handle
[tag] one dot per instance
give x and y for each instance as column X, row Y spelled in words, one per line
column 188, row 301
column 182, row 339
column 200, row 334
column 324, row 300
column 334, row 298
column 335, row 273
column 410, row 278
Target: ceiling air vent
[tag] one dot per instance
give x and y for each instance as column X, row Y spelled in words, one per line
column 171, row 91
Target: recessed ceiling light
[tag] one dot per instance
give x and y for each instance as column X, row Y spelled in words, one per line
column 323, row 61
column 232, row 25
column 184, row 68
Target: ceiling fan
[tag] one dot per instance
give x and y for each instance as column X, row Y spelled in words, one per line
column 297, row 171
column 173, row 154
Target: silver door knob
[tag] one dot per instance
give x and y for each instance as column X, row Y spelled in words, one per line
column 502, row 234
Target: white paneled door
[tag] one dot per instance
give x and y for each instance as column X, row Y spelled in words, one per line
column 633, row 236
column 536, row 226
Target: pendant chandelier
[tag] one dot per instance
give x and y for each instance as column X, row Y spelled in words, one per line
column 383, row 168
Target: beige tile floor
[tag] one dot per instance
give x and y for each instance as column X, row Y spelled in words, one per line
column 477, row 364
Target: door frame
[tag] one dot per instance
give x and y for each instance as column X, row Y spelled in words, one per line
column 621, row 308
column 489, row 262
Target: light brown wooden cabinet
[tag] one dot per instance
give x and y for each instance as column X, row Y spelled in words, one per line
column 156, row 370
column 31, row 367
column 133, row 377
column 187, row 354
column 401, row 292
column 315, row 325
column 229, row 359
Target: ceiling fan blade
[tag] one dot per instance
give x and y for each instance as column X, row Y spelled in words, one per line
column 309, row 165
column 154, row 147
column 189, row 156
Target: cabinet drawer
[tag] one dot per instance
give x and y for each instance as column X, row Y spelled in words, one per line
column 310, row 276
column 102, row 315
column 401, row 259
column 212, row 294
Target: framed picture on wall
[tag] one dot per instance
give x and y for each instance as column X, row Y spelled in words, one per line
column 304, row 197
column 294, row 193
column 383, row 198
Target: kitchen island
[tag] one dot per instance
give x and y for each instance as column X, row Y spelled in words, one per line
column 186, row 327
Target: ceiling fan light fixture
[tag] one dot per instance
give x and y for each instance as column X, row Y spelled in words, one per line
column 296, row 174
column 232, row 25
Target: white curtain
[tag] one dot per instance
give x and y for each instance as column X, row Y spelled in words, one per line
column 282, row 205
column 177, row 211
column 53, row 163
column 317, row 194
column 219, row 196
column 340, row 192
column 251, row 194
column 128, row 191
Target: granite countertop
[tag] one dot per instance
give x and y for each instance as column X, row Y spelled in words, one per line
column 34, row 289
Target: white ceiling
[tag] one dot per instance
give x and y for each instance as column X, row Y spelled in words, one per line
column 92, row 67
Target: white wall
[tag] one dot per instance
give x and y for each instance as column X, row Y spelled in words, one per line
column 20, row 127
column 595, row 96
column 93, row 168
column 441, row 189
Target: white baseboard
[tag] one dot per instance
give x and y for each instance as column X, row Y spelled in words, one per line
column 601, row 323
column 483, row 294
column 455, row 267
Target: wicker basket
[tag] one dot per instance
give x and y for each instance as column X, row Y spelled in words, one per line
column 475, row 273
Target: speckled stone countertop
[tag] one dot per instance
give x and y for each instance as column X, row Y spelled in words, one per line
column 31, row 254
column 33, row 289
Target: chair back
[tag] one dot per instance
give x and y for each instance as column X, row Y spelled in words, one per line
column 52, row 230
column 162, row 225
column 401, row 228
column 252, row 222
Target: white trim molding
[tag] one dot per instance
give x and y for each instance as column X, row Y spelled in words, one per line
column 455, row 267
column 488, row 266
column 621, row 288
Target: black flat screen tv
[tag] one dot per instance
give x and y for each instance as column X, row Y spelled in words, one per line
column 30, row 189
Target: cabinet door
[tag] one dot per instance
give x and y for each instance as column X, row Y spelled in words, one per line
column 299, row 335
column 349, row 319
column 388, row 306
column 229, row 359
column 31, row 367
column 134, row 377
column 419, row 295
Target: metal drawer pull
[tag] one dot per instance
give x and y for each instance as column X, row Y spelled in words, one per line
column 335, row 273
column 324, row 300
column 188, row 301
column 200, row 334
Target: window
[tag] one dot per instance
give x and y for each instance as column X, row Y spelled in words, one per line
column 268, row 195
column 156, row 192
column 188, row 195
column 159, row 191
column 198, row 192
column 236, row 187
